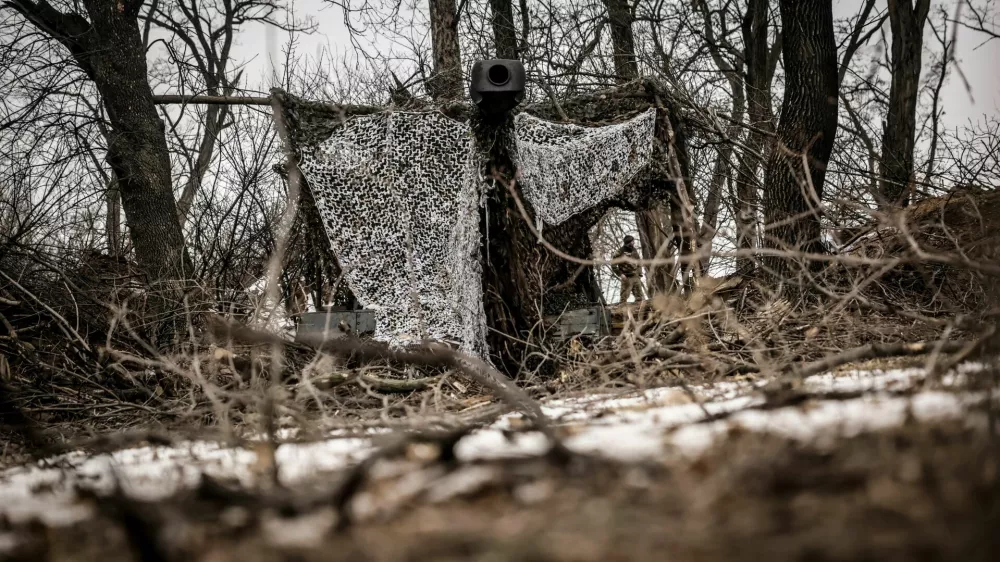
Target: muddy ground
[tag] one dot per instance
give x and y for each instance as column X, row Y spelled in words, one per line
column 924, row 492
column 922, row 489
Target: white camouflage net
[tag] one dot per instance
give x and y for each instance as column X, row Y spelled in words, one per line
column 402, row 214
column 567, row 169
column 400, row 192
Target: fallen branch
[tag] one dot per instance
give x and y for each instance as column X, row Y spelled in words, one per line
column 988, row 338
column 436, row 356
column 874, row 351
column 379, row 384
column 111, row 442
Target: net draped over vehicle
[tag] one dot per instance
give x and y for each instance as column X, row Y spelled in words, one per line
column 400, row 194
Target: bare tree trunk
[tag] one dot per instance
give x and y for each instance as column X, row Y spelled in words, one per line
column 760, row 61
column 866, row 140
column 797, row 167
column 110, row 51
column 447, row 80
column 720, row 173
column 504, row 34
column 658, row 241
column 907, row 23
column 622, row 40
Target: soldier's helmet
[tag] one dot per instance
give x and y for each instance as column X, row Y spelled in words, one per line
column 629, row 239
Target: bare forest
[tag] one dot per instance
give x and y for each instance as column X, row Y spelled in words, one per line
column 499, row 280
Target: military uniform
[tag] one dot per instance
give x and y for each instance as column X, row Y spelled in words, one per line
column 630, row 274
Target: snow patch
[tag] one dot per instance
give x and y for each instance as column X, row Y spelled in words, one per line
column 640, row 425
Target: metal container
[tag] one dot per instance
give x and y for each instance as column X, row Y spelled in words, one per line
column 330, row 324
column 592, row 321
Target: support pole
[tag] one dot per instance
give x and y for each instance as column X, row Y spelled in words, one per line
column 211, row 100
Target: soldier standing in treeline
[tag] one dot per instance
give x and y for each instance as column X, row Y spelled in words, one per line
column 630, row 274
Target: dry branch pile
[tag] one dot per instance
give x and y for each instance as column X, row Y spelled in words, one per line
column 950, row 246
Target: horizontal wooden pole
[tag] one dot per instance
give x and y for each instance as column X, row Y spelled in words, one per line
column 212, row 100
column 346, row 110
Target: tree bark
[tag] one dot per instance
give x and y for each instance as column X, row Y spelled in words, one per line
column 447, row 80
column 906, row 20
column 658, row 242
column 622, row 40
column 760, row 60
column 110, row 51
column 504, row 34
column 797, row 167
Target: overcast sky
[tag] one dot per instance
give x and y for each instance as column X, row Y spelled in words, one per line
column 979, row 61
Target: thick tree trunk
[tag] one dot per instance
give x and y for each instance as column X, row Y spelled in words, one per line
column 447, row 80
column 110, row 51
column 907, row 23
column 137, row 149
column 797, row 167
column 622, row 40
column 504, row 34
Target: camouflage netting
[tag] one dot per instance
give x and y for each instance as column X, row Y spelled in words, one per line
column 567, row 169
column 402, row 215
column 400, row 196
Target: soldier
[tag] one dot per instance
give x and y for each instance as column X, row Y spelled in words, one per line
column 630, row 274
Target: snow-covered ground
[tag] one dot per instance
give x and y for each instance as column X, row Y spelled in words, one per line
column 655, row 423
